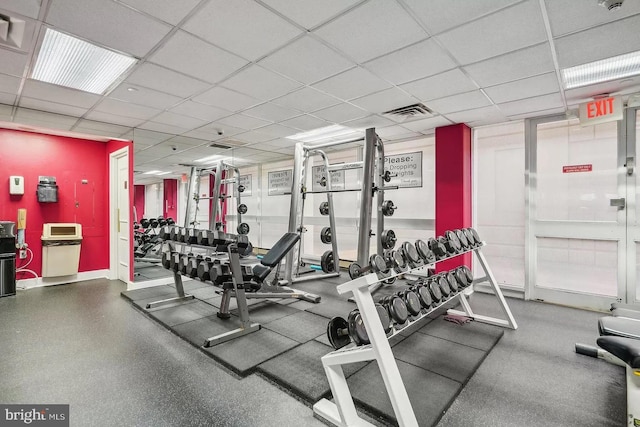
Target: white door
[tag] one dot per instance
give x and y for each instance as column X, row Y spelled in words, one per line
column 576, row 237
column 123, row 226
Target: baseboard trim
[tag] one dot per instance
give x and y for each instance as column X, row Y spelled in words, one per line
column 61, row 280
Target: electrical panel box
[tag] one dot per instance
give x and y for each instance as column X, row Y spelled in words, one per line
column 16, row 185
column 47, row 189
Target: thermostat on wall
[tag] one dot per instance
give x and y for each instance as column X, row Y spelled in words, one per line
column 16, row 185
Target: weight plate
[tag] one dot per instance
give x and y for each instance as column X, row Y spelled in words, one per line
column 357, row 331
column 399, row 263
column 243, row 228
column 443, row 283
column 246, row 250
column 461, row 278
column 325, row 235
column 438, row 248
column 335, row 332
column 327, row 262
column 241, row 188
column 476, row 237
column 462, row 238
column 411, row 253
column 378, row 264
column 434, row 290
column 354, row 270
column 388, row 208
column 324, row 208
column 383, row 314
column 424, row 296
column 388, row 239
column 386, row 176
column 453, row 240
column 398, row 310
column 453, row 283
column 242, row 209
column 413, row 303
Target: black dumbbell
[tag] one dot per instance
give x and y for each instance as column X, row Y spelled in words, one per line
column 451, row 242
column 154, row 223
column 443, row 284
column 165, row 232
column 209, row 270
column 434, row 289
column 170, row 221
column 377, row 264
column 397, row 262
column 423, row 295
column 144, row 223
column 396, row 307
column 425, row 253
column 476, row 237
column 174, row 261
column 191, row 236
column 202, row 237
column 174, row 233
column 462, row 238
column 453, row 282
column 467, row 273
column 166, row 259
column 341, row 332
column 191, row 269
column 162, row 222
column 412, row 301
column 411, row 255
column 438, row 248
column 182, row 264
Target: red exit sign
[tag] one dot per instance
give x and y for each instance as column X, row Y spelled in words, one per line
column 601, row 110
column 577, row 168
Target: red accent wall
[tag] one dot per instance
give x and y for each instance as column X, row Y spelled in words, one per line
column 138, row 201
column 170, row 208
column 453, row 185
column 70, row 160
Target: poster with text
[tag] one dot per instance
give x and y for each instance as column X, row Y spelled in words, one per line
column 318, row 172
column 280, row 182
column 245, row 180
column 407, row 169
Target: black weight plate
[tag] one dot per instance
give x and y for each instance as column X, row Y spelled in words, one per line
column 154, row 223
column 354, row 270
column 413, row 303
column 468, row 273
column 388, row 239
column 327, row 262
column 462, row 238
column 453, row 240
column 357, row 330
column 243, row 228
column 241, row 188
column 383, row 314
column 246, row 250
column 388, row 208
column 476, row 237
column 170, row 221
column 443, row 283
column 242, row 209
column 378, row 263
column 144, row 223
column 335, row 332
column 325, row 235
column 453, row 283
column 411, row 253
column 398, row 310
column 424, row 296
column 324, row 208
column 434, row 290
column 461, row 278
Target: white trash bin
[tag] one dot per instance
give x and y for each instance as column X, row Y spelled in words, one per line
column 61, row 249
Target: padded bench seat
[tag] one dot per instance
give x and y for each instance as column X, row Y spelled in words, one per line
column 620, row 327
column 625, row 349
column 625, row 312
column 273, row 257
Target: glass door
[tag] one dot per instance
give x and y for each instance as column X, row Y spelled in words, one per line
column 576, row 207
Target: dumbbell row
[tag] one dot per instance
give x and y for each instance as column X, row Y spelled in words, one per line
column 155, row 222
column 195, row 236
column 395, row 310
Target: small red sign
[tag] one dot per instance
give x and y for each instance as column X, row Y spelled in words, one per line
column 577, row 168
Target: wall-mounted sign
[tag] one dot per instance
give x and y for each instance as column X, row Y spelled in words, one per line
column 318, row 172
column 280, row 182
column 601, row 111
column 577, row 168
column 407, row 168
column 246, row 181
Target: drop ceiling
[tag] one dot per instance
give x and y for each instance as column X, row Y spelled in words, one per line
column 246, row 74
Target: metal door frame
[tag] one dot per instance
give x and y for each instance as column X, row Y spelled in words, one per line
column 627, row 131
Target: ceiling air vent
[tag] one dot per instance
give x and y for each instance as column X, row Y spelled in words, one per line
column 221, row 146
column 414, row 110
column 11, row 31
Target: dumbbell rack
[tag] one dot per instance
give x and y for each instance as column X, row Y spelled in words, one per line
column 343, row 411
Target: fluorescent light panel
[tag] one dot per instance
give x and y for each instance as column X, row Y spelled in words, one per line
column 67, row 61
column 152, row 172
column 210, row 159
column 333, row 133
column 602, row 71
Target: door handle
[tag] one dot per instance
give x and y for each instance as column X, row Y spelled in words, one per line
column 619, row 203
column 630, row 165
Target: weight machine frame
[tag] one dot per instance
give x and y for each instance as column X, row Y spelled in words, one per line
column 343, row 412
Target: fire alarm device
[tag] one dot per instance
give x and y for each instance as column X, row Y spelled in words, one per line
column 16, row 185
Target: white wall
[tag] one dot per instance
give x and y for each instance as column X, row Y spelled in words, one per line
column 153, row 199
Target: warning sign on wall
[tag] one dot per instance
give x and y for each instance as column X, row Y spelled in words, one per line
column 577, row 168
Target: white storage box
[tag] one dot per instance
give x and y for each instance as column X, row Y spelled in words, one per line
column 61, row 249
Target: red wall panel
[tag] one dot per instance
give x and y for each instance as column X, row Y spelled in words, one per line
column 170, row 208
column 138, row 201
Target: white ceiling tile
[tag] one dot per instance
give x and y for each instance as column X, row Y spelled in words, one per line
column 7, row 98
column 149, row 137
column 185, row 140
column 280, row 144
column 90, row 131
column 353, row 83
column 144, row 96
column 271, row 112
column 260, row 83
column 53, row 107
column 373, row 29
column 391, row 131
column 385, row 100
column 504, row 31
column 39, row 118
column 341, row 113
column 419, row 60
column 305, row 122
column 113, row 130
column 306, row 60
column 12, row 63
column 226, row 99
column 369, row 122
column 586, row 93
column 445, row 84
column 310, row 13
column 525, row 88
column 512, row 66
column 277, row 130
column 441, row 15
column 9, row 84
column 28, row 8
column 120, row 108
column 170, row 11
column 427, row 125
column 460, row 102
column 54, row 93
column 107, row 23
column 243, row 122
column 214, row 128
column 253, row 137
column 243, row 27
column 112, row 118
column 174, row 119
column 491, row 113
column 164, row 128
column 559, row 110
column 584, row 14
column 194, row 57
column 200, row 111
column 306, row 100
column 155, row 77
column 598, row 43
column 524, row 106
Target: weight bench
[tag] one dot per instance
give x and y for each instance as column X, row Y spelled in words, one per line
column 626, row 312
column 619, row 327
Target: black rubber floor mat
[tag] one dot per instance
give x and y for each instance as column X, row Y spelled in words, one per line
column 151, row 292
column 266, row 311
column 183, row 313
column 243, row 354
column 430, row 394
column 301, row 370
column 197, row 331
column 331, row 307
column 204, row 293
column 300, row 326
column 452, row 360
column 473, row 334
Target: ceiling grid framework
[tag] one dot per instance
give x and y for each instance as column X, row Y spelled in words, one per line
column 246, row 74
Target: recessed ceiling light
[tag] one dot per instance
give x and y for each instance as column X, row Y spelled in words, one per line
column 333, row 133
column 152, row 172
column 67, row 61
column 604, row 70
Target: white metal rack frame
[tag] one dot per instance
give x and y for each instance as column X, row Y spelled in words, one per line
column 343, row 411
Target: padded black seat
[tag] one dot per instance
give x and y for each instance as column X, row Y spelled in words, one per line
column 625, row 312
column 261, row 272
column 619, row 327
column 625, row 349
column 274, row 256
